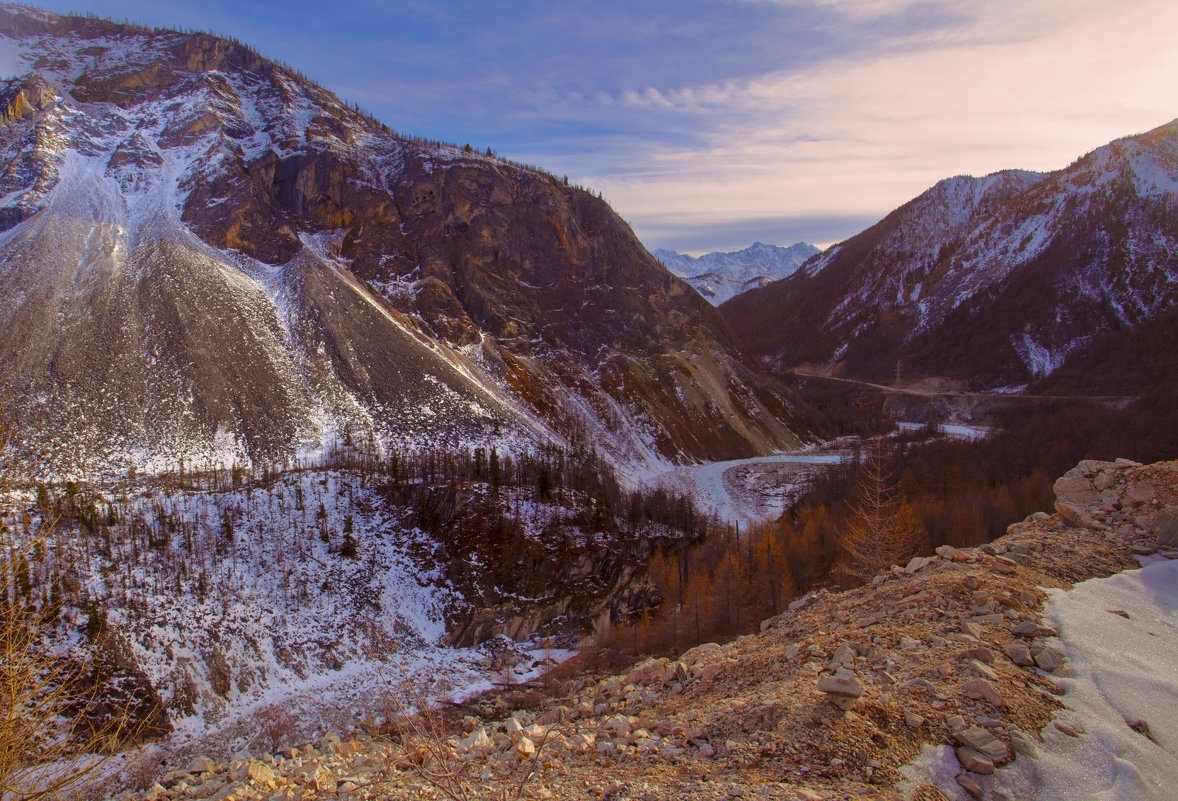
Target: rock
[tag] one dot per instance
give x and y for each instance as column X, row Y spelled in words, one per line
column 1020, row 654
column 983, row 742
column 916, row 563
column 913, row 720
column 980, row 654
column 1165, row 527
column 947, row 552
column 792, row 651
column 1027, row 628
column 982, row 669
column 1023, row 744
column 1049, row 659
column 843, row 684
column 703, row 652
column 318, row 777
column 973, row 761
column 261, row 774
column 201, row 764
column 955, row 723
column 970, row 785
column 982, row 689
column 1004, row 565
column 1137, row 494
column 525, row 748
column 647, row 672
column 557, row 714
column 618, row 726
column 1066, row 728
column 843, row 655
column 973, row 630
column 478, row 741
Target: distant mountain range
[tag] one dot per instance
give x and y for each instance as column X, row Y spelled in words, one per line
column 720, row 276
column 998, row 280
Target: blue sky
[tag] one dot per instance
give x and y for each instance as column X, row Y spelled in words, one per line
column 710, row 124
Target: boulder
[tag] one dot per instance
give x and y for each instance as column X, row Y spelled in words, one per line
column 973, row 761
column 844, row 684
column 983, row 743
column 1165, row 527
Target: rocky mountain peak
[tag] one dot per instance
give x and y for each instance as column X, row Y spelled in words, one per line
column 212, row 256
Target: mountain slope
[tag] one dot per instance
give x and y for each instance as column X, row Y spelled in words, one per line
column 995, row 279
column 212, row 259
column 720, row 276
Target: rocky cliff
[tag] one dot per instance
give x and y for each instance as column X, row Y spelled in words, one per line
column 210, row 258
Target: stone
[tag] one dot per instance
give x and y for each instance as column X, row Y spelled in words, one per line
column 916, row 563
column 970, row 785
column 792, row 652
column 973, row 761
column 843, row 655
column 618, row 726
column 913, row 720
column 1165, row 527
column 647, row 672
column 525, row 748
column 1027, row 628
column 261, row 774
column 980, row 654
column 971, row 629
column 201, row 764
column 955, row 723
column 983, row 690
column 1137, row 494
column 1049, row 659
column 982, row 742
column 1023, row 744
column 843, row 684
column 477, row 741
column 982, row 669
column 1019, row 653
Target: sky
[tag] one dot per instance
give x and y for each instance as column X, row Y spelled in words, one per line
column 711, row 124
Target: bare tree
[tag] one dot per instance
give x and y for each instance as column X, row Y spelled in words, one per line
column 54, row 738
column 883, row 530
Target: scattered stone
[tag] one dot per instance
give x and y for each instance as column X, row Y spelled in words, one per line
column 844, row 684
column 1165, row 527
column 970, row 785
column 1022, row 744
column 1049, row 659
column 983, row 742
column 973, row 761
column 983, row 690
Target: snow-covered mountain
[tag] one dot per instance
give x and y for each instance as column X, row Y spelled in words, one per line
column 205, row 257
column 997, row 279
column 720, row 276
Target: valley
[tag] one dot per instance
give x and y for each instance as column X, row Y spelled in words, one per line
column 337, row 462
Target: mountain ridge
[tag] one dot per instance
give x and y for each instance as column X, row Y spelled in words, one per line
column 975, row 295
column 250, row 270
column 720, row 276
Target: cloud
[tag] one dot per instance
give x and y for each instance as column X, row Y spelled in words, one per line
column 1018, row 85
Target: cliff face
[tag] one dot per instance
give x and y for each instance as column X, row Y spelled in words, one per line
column 212, row 258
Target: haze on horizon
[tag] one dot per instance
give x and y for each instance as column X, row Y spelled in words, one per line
column 710, row 124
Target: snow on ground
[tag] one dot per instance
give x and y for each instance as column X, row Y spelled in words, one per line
column 746, row 490
column 1124, row 670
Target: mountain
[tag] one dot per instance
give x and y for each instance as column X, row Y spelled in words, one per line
column 995, row 279
column 720, row 276
column 209, row 259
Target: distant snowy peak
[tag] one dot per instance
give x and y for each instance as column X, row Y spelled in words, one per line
column 998, row 279
column 720, row 276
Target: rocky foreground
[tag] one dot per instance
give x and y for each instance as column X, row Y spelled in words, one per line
column 833, row 699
